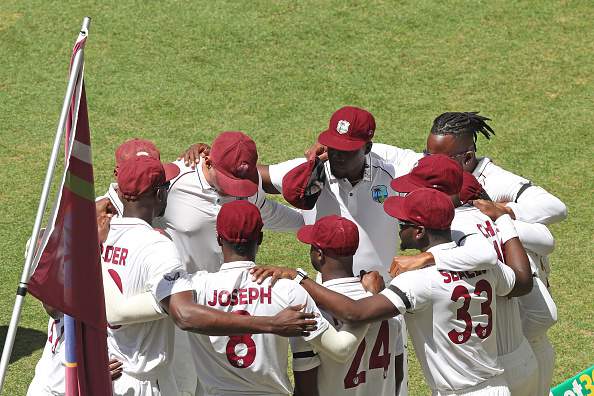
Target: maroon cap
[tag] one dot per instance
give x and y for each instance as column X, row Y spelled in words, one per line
column 234, row 158
column 138, row 175
column 350, row 128
column 471, row 188
column 239, row 222
column 433, row 171
column 331, row 233
column 142, row 147
column 425, row 206
column 303, row 184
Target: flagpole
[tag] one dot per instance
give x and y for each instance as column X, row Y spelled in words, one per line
column 22, row 288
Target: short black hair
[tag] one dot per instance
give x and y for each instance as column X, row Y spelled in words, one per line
column 458, row 123
column 242, row 249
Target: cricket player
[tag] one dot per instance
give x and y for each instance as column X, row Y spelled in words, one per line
column 376, row 367
column 248, row 363
column 537, row 308
column 450, row 314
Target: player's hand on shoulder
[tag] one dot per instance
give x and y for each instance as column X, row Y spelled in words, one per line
column 192, row 155
column 372, row 281
column 292, row 322
column 103, row 223
column 402, row 264
column 260, row 273
column 492, row 209
column 319, row 149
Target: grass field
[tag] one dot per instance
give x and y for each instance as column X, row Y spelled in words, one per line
column 179, row 72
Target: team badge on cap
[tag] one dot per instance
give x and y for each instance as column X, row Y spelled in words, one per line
column 379, row 193
column 342, row 127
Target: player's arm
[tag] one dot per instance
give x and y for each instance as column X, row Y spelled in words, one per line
column 535, row 237
column 513, row 251
column 366, row 310
column 474, row 253
column 306, row 382
column 267, row 184
column 197, row 318
column 399, row 372
column 279, row 217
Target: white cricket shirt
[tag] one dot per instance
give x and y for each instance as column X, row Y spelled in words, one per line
column 137, row 257
column 191, row 215
column 362, row 204
column 248, row 364
column 49, row 371
column 451, row 318
column 371, row 370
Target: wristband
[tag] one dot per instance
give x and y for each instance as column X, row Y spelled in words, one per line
column 506, row 228
column 301, row 275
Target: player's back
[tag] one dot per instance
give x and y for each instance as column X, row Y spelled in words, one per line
column 136, row 256
column 371, row 371
column 246, row 364
column 452, row 322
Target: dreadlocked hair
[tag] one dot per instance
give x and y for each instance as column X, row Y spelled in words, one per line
column 457, row 123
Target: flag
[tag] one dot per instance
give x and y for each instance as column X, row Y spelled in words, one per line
column 68, row 271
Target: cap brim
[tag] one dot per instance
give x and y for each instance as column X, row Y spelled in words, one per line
column 405, row 184
column 331, row 139
column 242, row 188
column 393, row 206
column 171, row 171
column 306, row 234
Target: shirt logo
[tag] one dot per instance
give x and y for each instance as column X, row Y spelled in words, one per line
column 379, row 193
column 172, row 276
column 342, row 127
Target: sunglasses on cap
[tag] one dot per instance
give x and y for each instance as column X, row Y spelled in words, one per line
column 405, row 224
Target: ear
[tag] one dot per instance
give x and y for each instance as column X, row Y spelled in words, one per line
column 207, row 161
column 368, row 146
column 115, row 172
column 260, row 238
column 219, row 241
column 469, row 157
column 420, row 233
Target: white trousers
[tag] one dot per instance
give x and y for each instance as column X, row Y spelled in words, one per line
column 496, row 386
column 160, row 383
column 182, row 365
column 520, row 370
column 545, row 356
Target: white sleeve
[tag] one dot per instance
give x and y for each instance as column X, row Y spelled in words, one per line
column 474, row 253
column 298, row 296
column 536, row 205
column 409, row 292
column 402, row 159
column 279, row 217
column 396, row 323
column 135, row 309
column 304, row 356
column 340, row 345
column 173, row 282
column 538, row 310
column 535, row 237
column 500, row 184
column 505, row 278
column 278, row 171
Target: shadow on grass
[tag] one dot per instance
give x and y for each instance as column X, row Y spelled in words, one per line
column 26, row 342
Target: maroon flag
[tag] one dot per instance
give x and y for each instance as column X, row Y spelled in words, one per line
column 68, row 273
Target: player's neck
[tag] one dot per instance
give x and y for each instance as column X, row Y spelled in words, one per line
column 438, row 239
column 337, row 268
column 139, row 212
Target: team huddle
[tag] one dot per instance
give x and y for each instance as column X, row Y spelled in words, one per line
column 190, row 311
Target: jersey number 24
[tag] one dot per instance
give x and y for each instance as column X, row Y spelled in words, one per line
column 354, row 377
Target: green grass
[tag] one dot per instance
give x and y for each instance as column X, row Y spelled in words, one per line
column 180, row 72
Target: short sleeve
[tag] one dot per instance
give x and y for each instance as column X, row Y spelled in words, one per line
column 161, row 258
column 304, row 356
column 403, row 160
column 278, row 171
column 396, row 323
column 505, row 278
column 297, row 296
column 410, row 291
column 173, row 282
column 501, row 185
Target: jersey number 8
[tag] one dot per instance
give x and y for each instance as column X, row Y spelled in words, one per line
column 241, row 349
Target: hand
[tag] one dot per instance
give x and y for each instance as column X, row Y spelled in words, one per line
column 193, row 154
column 115, row 369
column 291, row 322
column 103, row 223
column 402, row 264
column 262, row 272
column 372, row 281
column 104, row 206
column 490, row 208
column 319, row 149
